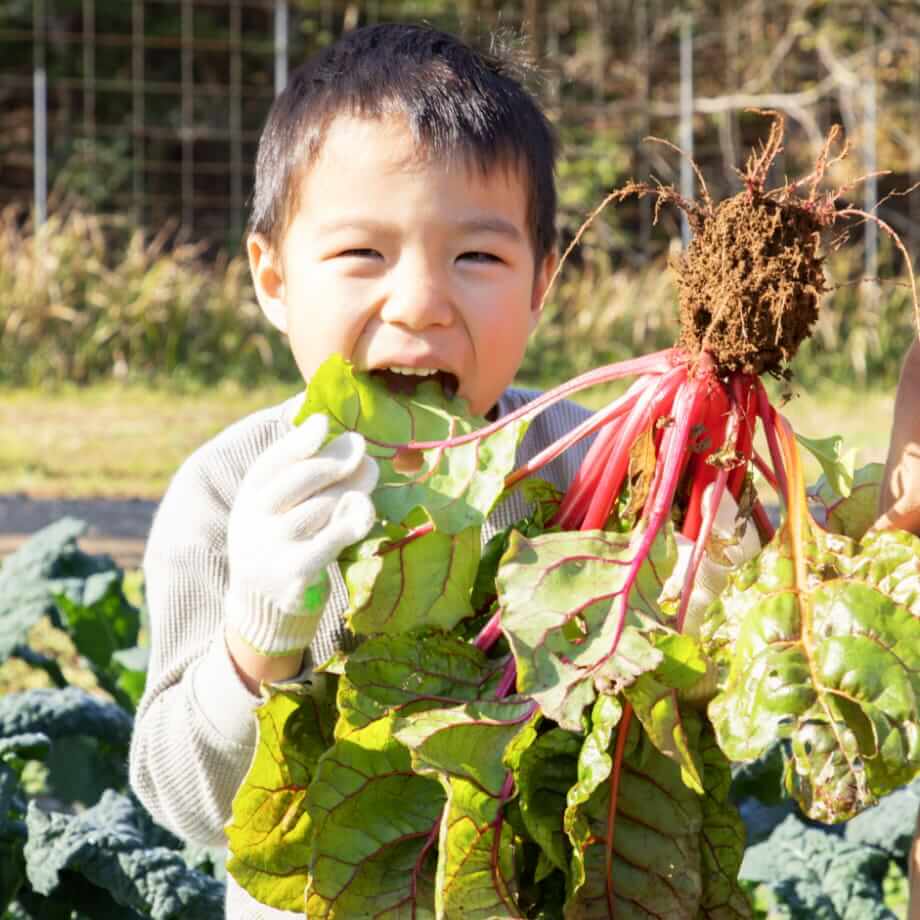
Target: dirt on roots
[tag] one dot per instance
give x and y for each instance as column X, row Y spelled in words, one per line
column 750, row 282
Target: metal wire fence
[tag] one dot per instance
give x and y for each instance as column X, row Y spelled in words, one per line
column 154, row 107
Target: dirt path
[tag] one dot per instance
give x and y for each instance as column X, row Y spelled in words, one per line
column 118, row 527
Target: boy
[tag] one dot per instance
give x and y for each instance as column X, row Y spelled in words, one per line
column 899, row 504
column 403, row 216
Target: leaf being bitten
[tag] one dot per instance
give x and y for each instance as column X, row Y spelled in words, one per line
column 457, row 487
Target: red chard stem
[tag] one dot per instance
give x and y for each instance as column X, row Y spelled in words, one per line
column 657, row 363
column 616, row 770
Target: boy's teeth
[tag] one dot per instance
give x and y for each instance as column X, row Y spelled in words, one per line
column 413, row 371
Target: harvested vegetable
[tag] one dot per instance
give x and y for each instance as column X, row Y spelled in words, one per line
column 537, row 728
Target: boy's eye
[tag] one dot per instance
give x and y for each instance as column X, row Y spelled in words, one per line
column 482, row 257
column 360, row 254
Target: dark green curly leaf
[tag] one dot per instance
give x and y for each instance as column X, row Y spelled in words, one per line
column 425, row 582
column 109, row 844
column 63, row 713
column 570, row 628
column 374, row 823
column 270, row 833
column 816, row 874
column 832, row 665
column 45, row 566
column 12, row 826
column 457, row 488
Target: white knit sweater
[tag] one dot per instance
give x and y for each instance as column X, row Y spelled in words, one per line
column 195, row 732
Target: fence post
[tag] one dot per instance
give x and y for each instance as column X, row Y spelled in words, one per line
column 870, row 186
column 686, row 118
column 138, row 110
column 281, row 45
column 40, row 116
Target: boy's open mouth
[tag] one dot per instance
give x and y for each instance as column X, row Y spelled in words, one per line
column 407, row 380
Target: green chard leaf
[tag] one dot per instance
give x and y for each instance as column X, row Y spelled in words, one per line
column 838, row 465
column 465, row 748
column 657, row 837
column 458, row 487
column 547, row 769
column 722, row 838
column 406, row 674
column 269, row 834
column 833, row 667
column 851, row 515
column 561, row 595
column 425, row 582
column 654, row 699
column 375, row 822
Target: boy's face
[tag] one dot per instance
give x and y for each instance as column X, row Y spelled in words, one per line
column 398, row 260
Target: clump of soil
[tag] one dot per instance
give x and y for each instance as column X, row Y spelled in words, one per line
column 752, row 277
column 749, row 283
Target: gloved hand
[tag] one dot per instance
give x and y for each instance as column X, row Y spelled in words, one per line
column 727, row 549
column 297, row 508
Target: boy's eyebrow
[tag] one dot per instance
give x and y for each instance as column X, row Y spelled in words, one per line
column 471, row 225
column 490, row 225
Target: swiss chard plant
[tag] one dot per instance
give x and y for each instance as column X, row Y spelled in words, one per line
column 548, row 728
column 535, row 729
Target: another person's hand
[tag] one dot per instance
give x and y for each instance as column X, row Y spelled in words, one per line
column 298, row 507
column 729, row 546
column 899, row 502
column 899, row 507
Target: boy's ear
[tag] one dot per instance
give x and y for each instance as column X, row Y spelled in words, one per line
column 541, row 285
column 267, row 279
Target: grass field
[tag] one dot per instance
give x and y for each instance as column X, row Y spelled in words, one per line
column 127, row 441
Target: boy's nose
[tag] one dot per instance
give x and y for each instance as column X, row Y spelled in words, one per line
column 418, row 299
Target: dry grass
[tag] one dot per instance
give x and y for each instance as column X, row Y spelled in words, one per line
column 110, row 440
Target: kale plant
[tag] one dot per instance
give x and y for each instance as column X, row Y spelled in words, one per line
column 74, row 842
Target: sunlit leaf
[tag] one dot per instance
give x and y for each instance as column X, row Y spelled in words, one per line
column 570, row 627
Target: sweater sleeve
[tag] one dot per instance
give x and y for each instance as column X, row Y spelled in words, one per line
column 194, row 732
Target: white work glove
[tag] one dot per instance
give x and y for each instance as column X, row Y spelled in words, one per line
column 297, row 508
column 731, row 543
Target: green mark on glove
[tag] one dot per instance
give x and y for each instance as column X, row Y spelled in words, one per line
column 316, row 595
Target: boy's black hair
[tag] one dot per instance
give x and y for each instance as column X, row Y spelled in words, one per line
column 456, row 99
